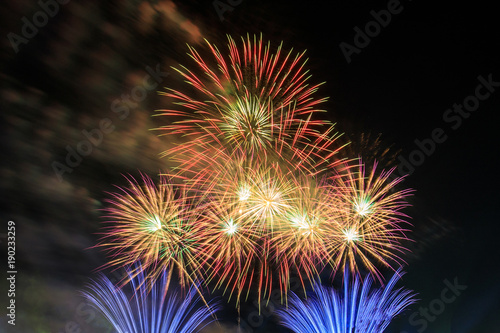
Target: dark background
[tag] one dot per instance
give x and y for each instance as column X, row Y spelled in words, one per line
column 91, row 52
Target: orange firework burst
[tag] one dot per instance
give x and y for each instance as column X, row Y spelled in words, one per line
column 148, row 223
column 254, row 103
column 370, row 221
column 229, row 246
column 301, row 241
column 244, row 205
column 262, row 191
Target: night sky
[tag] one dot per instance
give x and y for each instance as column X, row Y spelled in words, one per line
column 404, row 83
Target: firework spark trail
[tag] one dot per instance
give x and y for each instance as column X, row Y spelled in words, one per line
column 358, row 309
column 303, row 235
column 152, row 309
column 229, row 246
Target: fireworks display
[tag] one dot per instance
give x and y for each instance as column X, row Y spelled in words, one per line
column 358, row 309
column 152, row 309
column 263, row 195
column 260, row 154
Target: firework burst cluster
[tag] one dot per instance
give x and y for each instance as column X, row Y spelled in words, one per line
column 258, row 191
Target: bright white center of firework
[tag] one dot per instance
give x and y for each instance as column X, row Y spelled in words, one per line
column 231, row 227
column 266, row 201
column 155, row 223
column 300, row 222
column 244, row 193
column 272, row 202
column 247, row 123
column 272, row 197
column 363, row 207
column 351, row 235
